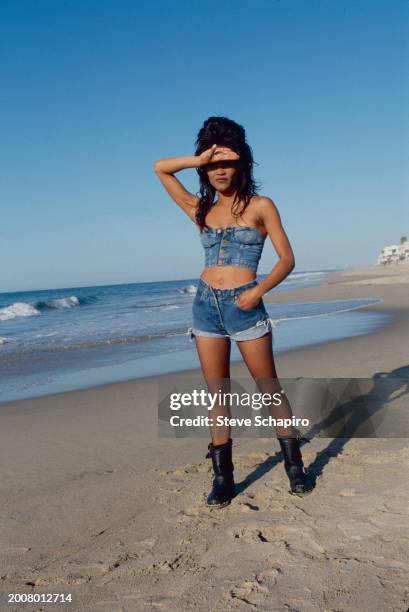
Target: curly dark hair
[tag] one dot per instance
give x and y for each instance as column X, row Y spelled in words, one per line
column 227, row 133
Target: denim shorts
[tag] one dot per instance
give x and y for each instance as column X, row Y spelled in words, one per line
column 216, row 314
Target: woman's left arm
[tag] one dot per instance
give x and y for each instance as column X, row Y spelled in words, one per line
column 272, row 222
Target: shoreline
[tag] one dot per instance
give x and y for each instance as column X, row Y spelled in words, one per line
column 96, row 503
column 333, row 289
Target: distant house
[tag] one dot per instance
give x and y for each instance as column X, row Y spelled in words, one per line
column 395, row 252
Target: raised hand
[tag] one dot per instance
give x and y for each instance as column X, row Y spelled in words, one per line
column 215, row 154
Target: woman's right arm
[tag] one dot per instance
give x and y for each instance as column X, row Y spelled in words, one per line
column 165, row 169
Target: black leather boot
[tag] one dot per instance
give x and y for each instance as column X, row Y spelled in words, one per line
column 223, row 482
column 301, row 481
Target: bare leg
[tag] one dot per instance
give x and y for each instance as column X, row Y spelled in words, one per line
column 259, row 359
column 214, row 356
column 258, row 356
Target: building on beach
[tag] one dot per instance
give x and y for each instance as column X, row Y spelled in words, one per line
column 395, row 252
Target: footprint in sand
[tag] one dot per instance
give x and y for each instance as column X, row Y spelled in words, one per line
column 256, row 534
column 250, row 592
column 268, row 575
column 297, row 540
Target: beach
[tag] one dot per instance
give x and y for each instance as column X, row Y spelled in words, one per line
column 96, row 504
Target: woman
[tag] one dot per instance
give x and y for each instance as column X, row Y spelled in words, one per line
column 228, row 304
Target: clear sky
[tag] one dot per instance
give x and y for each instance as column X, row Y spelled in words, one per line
column 93, row 91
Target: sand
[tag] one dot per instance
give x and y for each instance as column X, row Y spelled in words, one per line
column 95, row 504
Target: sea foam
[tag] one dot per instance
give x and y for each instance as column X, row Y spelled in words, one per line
column 25, row 309
column 18, row 309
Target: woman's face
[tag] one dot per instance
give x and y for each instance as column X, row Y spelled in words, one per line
column 222, row 173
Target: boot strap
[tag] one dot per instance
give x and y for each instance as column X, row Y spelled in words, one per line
column 211, row 447
column 209, row 450
column 299, row 438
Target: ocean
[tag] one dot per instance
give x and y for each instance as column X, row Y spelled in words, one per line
column 63, row 339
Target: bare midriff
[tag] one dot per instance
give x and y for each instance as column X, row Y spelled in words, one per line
column 227, row 277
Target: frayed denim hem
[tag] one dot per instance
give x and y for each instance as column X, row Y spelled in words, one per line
column 256, row 331
column 247, row 334
column 191, row 332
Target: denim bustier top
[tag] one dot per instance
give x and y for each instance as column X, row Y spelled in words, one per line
column 232, row 246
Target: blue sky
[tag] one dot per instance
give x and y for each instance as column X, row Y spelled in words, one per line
column 92, row 92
